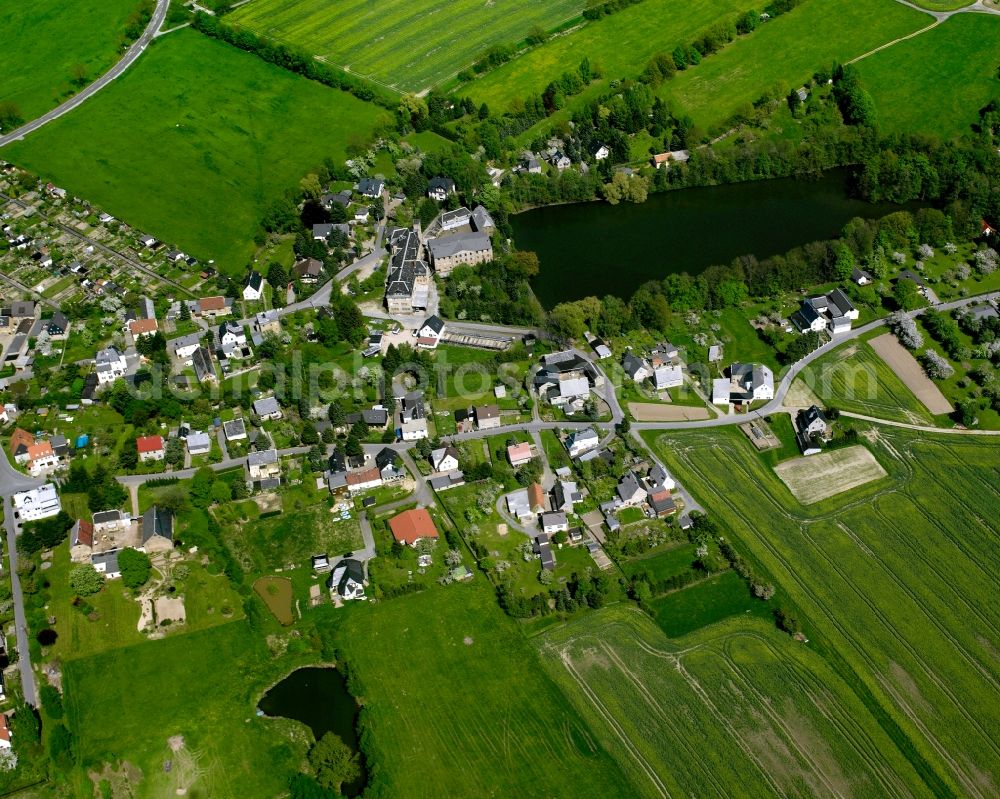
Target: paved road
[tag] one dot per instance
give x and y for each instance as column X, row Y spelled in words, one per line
column 12, row 481
column 136, row 50
column 776, row 404
column 182, row 474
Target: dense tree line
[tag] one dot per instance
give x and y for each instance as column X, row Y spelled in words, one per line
column 293, row 59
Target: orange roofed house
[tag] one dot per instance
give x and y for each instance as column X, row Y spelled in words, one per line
column 142, row 327
column 213, row 306
column 20, row 440
column 411, row 526
column 42, row 459
column 150, row 448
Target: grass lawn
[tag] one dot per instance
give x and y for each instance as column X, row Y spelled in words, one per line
column 737, row 710
column 289, row 538
column 707, row 602
column 408, row 47
column 45, row 42
column 112, row 623
column 202, row 686
column 890, row 580
column 953, row 69
column 456, row 703
column 232, row 134
column 621, row 44
column 786, row 51
column 663, row 563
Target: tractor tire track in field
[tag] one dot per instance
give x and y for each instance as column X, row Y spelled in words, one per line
column 613, row 724
column 959, row 596
column 932, row 675
column 849, row 639
column 853, row 733
column 658, row 710
column 973, row 555
column 777, row 722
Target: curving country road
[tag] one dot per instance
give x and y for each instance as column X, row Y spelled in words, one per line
column 776, row 404
column 136, row 50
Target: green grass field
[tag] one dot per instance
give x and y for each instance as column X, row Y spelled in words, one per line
column 705, row 603
column 621, row 44
column 456, row 703
column 952, row 69
column 45, row 42
column 892, row 582
column 408, row 46
column 785, row 52
column 183, row 686
column 854, row 378
column 232, row 134
column 737, row 710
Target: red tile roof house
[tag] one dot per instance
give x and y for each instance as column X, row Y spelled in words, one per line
column 20, row 440
column 412, row 526
column 42, row 459
column 142, row 327
column 150, row 448
column 4, row 732
column 363, row 480
column 213, row 306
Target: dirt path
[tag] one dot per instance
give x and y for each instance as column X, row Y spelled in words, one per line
column 656, row 412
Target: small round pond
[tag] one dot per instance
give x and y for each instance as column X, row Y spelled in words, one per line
column 318, row 697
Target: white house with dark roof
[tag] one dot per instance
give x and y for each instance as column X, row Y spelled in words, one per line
column 747, row 382
column 635, row 367
column 253, row 288
column 267, row 408
column 440, row 188
column 110, row 364
column 581, row 441
column 430, row 332
column 371, row 188
column 444, row 459
column 832, row 312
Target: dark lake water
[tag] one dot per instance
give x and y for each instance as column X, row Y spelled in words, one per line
column 318, row 697
column 598, row 249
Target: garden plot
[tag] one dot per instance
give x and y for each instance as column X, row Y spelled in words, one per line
column 655, row 412
column 910, row 372
column 818, row 477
